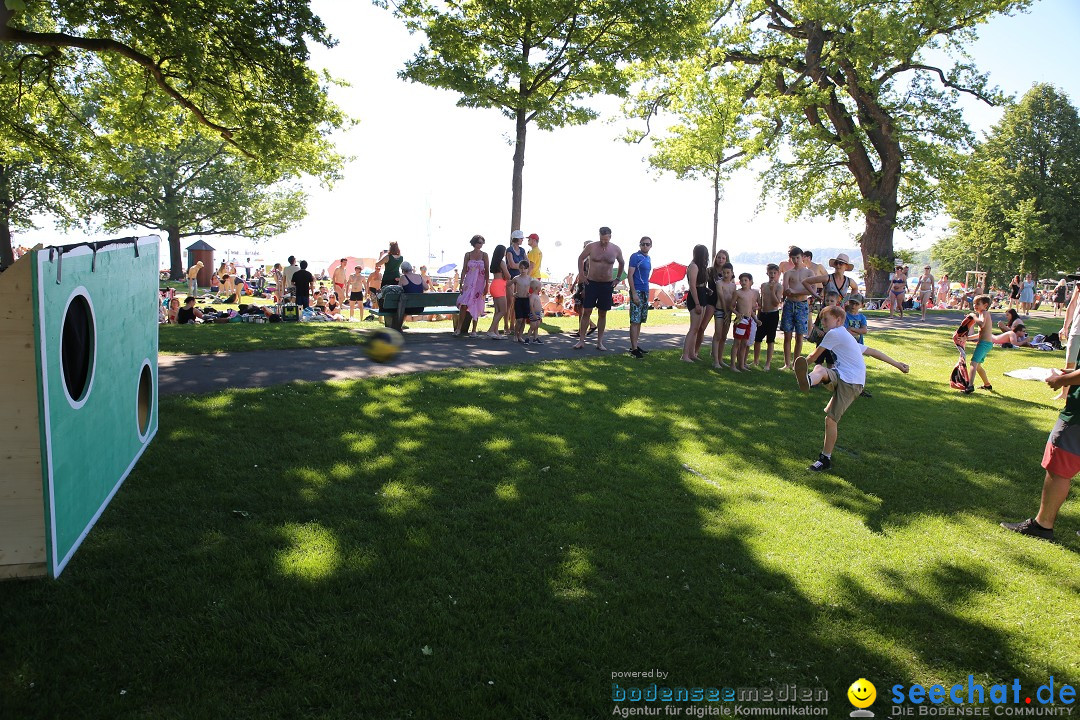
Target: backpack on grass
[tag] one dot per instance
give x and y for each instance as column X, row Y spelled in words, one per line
column 959, row 379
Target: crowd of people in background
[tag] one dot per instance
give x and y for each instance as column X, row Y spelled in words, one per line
column 782, row 302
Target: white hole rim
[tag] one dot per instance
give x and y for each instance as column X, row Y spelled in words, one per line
column 80, row 291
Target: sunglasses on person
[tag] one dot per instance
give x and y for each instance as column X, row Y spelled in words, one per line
column 645, row 243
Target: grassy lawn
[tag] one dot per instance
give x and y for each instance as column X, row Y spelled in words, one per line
column 239, row 337
column 497, row 543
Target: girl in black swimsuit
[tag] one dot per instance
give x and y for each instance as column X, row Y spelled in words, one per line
column 699, row 301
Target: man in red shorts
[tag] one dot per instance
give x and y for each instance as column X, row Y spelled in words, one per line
column 1061, row 458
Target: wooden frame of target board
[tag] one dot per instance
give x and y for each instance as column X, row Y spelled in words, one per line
column 78, row 328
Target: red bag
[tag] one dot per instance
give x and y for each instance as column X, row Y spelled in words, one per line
column 959, row 379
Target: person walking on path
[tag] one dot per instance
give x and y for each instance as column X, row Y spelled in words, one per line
column 897, row 290
column 1027, row 294
column 1014, row 291
column 943, row 291
column 639, row 272
column 473, row 289
column 1059, row 296
column 599, row 284
column 924, row 289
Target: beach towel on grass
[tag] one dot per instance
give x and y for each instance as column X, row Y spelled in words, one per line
column 1031, row 373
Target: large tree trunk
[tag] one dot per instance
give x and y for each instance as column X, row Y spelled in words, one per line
column 176, row 263
column 521, row 124
column 877, row 247
column 7, row 253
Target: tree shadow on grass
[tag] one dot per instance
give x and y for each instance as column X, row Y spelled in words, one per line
column 475, row 544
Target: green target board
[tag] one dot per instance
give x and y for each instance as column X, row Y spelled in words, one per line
column 95, row 316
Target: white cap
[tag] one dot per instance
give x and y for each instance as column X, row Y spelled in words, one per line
column 517, row 235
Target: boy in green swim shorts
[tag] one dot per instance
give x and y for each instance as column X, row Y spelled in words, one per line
column 986, row 341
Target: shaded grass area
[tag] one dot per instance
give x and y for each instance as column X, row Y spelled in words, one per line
column 497, row 543
column 240, row 337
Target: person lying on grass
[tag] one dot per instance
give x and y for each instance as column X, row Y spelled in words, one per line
column 1061, row 460
column 1013, row 338
column 845, row 379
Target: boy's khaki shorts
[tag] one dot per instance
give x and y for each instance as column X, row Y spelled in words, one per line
column 843, row 395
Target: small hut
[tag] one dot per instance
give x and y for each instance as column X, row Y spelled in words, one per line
column 197, row 251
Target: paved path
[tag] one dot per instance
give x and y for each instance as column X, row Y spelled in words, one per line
column 423, row 351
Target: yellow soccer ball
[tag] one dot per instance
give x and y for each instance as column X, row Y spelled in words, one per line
column 383, row 345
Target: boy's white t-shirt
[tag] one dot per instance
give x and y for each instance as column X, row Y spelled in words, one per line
column 850, row 365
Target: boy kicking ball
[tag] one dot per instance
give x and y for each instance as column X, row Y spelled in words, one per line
column 845, row 379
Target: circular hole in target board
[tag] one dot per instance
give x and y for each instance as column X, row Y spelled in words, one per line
column 145, row 399
column 78, row 345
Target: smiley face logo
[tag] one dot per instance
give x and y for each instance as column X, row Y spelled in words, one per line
column 862, row 693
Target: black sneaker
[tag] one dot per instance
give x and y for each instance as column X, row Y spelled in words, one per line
column 969, row 389
column 590, row 331
column 643, row 352
column 538, row 341
column 1030, row 527
column 865, row 394
column 636, row 352
column 821, row 464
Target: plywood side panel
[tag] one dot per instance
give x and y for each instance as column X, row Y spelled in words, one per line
column 30, row 570
column 22, row 515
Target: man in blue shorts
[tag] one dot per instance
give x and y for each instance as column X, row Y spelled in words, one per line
column 640, row 269
column 795, row 316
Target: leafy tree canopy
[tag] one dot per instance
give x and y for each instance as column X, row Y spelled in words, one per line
column 1017, row 208
column 237, row 66
column 843, row 103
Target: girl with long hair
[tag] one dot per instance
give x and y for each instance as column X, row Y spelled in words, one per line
column 499, row 275
column 700, row 299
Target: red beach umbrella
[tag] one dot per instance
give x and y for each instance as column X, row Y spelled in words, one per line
column 668, row 274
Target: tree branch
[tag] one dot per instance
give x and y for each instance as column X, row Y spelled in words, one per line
column 108, row 45
column 904, row 67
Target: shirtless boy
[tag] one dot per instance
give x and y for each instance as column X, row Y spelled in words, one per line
column 725, row 305
column 518, row 288
column 795, row 316
column 986, row 341
column 536, row 311
column 769, row 316
column 338, row 278
column 356, row 290
column 747, row 302
column 599, row 282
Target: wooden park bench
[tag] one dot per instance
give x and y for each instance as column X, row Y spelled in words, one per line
column 396, row 306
